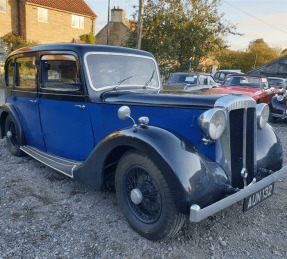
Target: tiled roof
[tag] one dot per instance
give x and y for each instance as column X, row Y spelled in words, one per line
column 73, row 6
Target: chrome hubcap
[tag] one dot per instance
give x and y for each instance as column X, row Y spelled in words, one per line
column 136, row 196
column 9, row 134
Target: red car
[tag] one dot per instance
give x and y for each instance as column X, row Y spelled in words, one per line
column 255, row 86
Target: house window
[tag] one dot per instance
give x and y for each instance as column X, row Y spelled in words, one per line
column 3, row 6
column 77, row 21
column 42, row 14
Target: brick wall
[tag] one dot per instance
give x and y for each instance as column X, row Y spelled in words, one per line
column 9, row 19
column 58, row 28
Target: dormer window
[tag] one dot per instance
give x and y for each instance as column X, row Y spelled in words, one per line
column 42, row 15
column 78, row 21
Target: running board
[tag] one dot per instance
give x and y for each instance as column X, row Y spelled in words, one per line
column 62, row 165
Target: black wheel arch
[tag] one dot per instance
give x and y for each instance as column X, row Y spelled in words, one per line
column 269, row 149
column 191, row 177
column 8, row 109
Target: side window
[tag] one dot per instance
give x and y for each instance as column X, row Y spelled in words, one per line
column 173, row 79
column 222, row 76
column 25, row 72
column 211, row 80
column 216, row 75
column 202, row 80
column 60, row 72
column 9, row 73
column 265, row 84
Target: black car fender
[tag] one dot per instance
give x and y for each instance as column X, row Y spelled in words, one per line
column 191, row 176
column 269, row 149
column 277, row 107
column 5, row 110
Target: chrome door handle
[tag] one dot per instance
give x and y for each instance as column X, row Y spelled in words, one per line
column 80, row 106
column 33, row 101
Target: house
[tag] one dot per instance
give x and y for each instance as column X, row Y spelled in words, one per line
column 275, row 68
column 46, row 21
column 119, row 30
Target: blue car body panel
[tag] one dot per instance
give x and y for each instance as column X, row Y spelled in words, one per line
column 67, row 123
column 28, row 110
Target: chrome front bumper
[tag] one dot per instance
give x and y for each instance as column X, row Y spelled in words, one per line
column 197, row 214
column 282, row 116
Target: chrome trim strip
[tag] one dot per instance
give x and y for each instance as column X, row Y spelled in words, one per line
column 118, row 54
column 50, row 157
column 244, row 139
column 197, row 214
column 30, row 150
column 282, row 116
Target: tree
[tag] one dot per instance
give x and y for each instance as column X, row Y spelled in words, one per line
column 230, row 59
column 14, row 41
column 181, row 32
column 259, row 53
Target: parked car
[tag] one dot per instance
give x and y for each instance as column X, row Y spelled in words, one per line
column 277, row 82
column 255, row 86
column 278, row 107
column 74, row 108
column 220, row 75
column 188, row 82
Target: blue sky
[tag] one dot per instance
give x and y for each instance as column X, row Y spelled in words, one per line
column 255, row 19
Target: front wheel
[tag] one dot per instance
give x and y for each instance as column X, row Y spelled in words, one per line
column 145, row 198
column 272, row 119
column 13, row 137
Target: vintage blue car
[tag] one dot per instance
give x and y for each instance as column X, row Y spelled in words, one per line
column 96, row 114
column 278, row 105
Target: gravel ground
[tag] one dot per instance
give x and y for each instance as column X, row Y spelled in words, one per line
column 44, row 214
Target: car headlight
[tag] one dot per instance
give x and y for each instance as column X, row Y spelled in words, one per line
column 280, row 98
column 212, row 123
column 262, row 114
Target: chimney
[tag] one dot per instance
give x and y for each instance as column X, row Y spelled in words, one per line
column 118, row 15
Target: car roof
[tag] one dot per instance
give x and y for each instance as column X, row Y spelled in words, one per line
column 272, row 77
column 191, row 73
column 81, row 48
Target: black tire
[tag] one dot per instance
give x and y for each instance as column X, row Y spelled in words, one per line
column 272, row 119
column 155, row 217
column 13, row 137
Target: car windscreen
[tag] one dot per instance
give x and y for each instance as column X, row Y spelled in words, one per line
column 244, row 81
column 182, row 79
column 276, row 82
column 121, row 70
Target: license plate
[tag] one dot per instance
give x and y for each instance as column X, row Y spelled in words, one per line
column 255, row 199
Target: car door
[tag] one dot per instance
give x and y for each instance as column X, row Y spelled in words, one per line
column 24, row 97
column 64, row 113
column 267, row 91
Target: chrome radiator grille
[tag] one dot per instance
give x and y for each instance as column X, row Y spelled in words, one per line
column 235, row 150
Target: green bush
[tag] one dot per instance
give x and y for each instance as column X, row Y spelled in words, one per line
column 88, row 38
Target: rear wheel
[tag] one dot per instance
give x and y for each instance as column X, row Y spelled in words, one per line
column 13, row 137
column 145, row 198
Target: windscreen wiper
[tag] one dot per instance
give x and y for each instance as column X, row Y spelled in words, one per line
column 121, row 81
column 147, row 83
